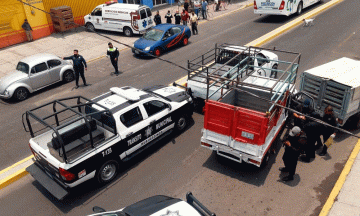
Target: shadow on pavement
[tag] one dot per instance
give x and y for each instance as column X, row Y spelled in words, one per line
column 244, row 172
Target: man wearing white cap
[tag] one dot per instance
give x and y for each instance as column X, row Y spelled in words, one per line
column 292, row 152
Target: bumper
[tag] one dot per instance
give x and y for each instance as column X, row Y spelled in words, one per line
column 141, row 53
column 5, row 96
column 49, row 182
column 273, row 12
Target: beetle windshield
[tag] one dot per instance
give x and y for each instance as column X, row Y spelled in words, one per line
column 23, row 67
column 153, row 34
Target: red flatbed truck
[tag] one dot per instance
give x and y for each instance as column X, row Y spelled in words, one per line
column 242, row 125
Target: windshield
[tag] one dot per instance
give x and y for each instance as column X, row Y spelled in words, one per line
column 153, row 34
column 23, row 67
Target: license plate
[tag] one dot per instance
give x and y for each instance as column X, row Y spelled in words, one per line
column 268, row 4
column 136, row 52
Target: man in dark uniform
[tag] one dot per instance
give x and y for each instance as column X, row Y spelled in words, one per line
column 113, row 53
column 157, row 18
column 301, row 120
column 78, row 64
column 168, row 17
column 177, row 18
column 292, row 152
column 327, row 131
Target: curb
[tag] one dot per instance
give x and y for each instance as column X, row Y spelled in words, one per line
column 258, row 42
column 341, row 180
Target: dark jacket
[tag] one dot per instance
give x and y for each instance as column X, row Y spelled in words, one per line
column 326, row 130
column 292, row 152
column 26, row 26
column 186, row 6
column 78, row 61
column 177, row 18
column 168, row 17
column 157, row 19
column 113, row 53
column 305, row 110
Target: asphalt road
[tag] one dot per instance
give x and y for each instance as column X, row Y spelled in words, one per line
column 178, row 165
column 238, row 28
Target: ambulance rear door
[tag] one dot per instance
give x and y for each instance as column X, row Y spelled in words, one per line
column 145, row 22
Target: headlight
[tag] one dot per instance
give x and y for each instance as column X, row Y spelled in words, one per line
column 147, row 49
column 133, row 45
column 6, row 92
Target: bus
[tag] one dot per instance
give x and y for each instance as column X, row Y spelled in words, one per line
column 281, row 7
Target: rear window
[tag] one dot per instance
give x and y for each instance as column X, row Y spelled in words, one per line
column 148, row 11
column 131, row 117
column 104, row 118
column 23, row 67
column 142, row 14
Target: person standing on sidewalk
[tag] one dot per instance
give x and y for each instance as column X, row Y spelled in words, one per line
column 78, row 64
column 157, row 18
column 113, row 53
column 177, row 18
column 194, row 23
column 168, row 17
column 204, row 9
column 185, row 17
column 292, row 152
column 26, row 26
column 197, row 6
column 186, row 6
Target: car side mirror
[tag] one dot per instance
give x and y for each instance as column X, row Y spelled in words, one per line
column 98, row 209
column 164, row 38
column 32, row 70
column 169, row 106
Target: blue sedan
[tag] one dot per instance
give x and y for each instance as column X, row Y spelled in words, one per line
column 162, row 37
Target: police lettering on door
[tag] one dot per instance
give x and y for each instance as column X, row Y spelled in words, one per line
column 134, row 140
column 161, row 124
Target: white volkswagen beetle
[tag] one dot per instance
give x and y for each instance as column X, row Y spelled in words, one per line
column 34, row 73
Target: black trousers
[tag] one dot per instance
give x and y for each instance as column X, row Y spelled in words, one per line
column 310, row 146
column 290, row 162
column 194, row 28
column 115, row 64
column 79, row 71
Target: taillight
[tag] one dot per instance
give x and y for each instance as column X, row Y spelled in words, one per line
column 185, row 84
column 282, row 5
column 66, row 175
column 32, row 150
column 255, row 6
column 254, row 161
column 205, row 144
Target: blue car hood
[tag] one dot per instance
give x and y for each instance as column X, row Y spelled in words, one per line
column 142, row 43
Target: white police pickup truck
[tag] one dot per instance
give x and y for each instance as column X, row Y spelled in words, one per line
column 160, row 206
column 76, row 139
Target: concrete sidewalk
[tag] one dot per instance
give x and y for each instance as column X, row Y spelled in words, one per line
column 90, row 45
column 344, row 199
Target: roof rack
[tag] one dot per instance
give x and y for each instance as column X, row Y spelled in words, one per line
column 203, row 66
column 75, row 109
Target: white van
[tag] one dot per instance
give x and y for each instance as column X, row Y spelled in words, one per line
column 128, row 18
column 281, row 7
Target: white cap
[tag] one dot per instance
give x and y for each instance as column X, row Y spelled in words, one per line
column 295, row 131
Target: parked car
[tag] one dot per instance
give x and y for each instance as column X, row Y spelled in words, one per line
column 160, row 206
column 161, row 38
column 34, row 73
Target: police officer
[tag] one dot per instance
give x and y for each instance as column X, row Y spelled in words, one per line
column 292, row 152
column 177, row 18
column 327, row 131
column 78, row 64
column 113, row 53
column 157, row 18
column 301, row 120
column 168, row 17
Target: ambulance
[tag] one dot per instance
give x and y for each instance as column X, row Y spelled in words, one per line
column 281, row 7
column 112, row 16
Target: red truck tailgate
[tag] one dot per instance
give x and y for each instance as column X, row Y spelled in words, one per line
column 243, row 125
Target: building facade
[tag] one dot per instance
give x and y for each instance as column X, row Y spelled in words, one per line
column 13, row 13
